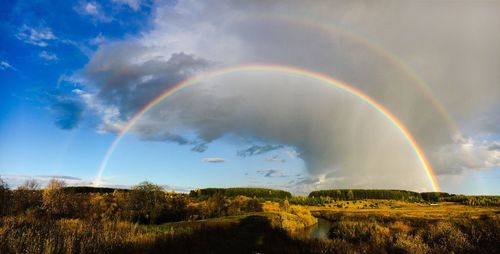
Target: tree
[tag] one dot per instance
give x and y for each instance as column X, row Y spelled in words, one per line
column 55, row 201
column 4, row 198
column 350, row 195
column 216, row 205
column 146, row 203
column 27, row 197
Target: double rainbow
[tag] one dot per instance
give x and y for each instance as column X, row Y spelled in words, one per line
column 274, row 68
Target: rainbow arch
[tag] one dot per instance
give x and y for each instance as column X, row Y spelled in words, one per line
column 274, row 68
column 389, row 57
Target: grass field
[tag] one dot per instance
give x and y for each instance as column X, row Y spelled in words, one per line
column 442, row 210
column 147, row 219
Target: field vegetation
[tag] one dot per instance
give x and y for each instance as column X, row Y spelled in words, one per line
column 148, row 219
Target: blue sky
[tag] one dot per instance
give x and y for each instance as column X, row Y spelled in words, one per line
column 73, row 72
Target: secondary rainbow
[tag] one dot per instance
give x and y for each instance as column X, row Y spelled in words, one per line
column 389, row 57
column 274, row 68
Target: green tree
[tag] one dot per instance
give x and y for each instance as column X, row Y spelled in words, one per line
column 350, row 195
column 147, row 203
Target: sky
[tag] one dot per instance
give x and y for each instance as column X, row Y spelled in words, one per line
column 268, row 100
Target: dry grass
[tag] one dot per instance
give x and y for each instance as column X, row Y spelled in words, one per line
column 408, row 210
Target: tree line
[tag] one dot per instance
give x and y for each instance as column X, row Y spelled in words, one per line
column 145, row 203
column 358, row 194
column 325, row 196
column 262, row 193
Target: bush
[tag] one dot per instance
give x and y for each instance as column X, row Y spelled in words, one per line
column 410, row 244
column 445, row 237
column 55, row 201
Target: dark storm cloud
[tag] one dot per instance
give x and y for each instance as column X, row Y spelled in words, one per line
column 129, row 82
column 152, row 134
column 452, row 48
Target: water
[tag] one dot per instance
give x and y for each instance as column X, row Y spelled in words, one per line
column 319, row 230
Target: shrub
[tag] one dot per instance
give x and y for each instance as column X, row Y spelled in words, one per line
column 444, row 236
column 409, row 244
column 55, row 201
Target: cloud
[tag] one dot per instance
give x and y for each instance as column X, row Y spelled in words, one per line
column 16, row 180
column 494, row 147
column 272, row 173
column 152, row 135
column 329, row 129
column 67, row 110
column 94, row 10
column 214, row 160
column 36, row 36
column 275, row 159
column 469, row 155
column 133, row 4
column 128, row 79
column 199, row 147
column 292, row 154
column 4, row 65
column 175, row 188
column 48, row 56
column 60, row 177
column 258, row 149
column 109, row 115
column 91, row 8
column 98, row 40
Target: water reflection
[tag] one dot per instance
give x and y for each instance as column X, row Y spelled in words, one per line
column 318, row 231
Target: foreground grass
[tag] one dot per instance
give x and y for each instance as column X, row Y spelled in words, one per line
column 370, row 226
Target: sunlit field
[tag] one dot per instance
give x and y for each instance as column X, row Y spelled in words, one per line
column 147, row 219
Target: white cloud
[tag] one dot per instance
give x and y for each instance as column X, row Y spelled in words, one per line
column 94, row 10
column 110, row 115
column 4, row 65
column 91, row 8
column 35, row 36
column 98, row 40
column 48, row 56
column 467, row 155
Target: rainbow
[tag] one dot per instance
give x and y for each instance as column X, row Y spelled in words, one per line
column 374, row 48
column 274, row 68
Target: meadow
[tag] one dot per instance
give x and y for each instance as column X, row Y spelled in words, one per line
column 148, row 219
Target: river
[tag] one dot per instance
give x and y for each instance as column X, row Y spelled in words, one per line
column 317, row 231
